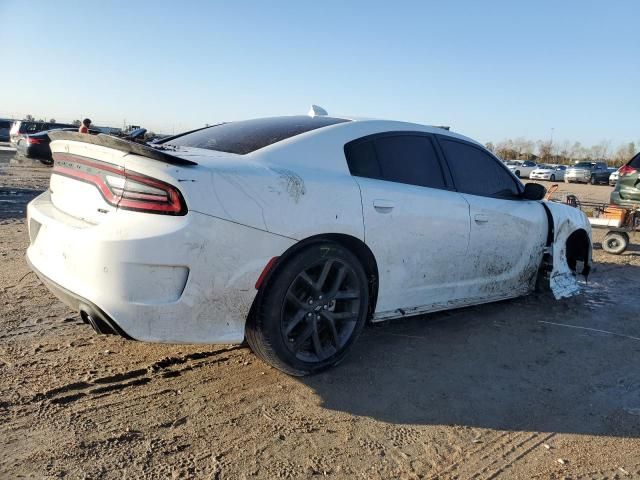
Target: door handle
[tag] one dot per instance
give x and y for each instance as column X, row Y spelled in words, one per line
column 479, row 218
column 383, row 206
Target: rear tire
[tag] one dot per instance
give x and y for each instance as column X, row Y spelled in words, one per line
column 615, row 243
column 311, row 311
column 593, row 180
column 517, row 173
column 552, row 178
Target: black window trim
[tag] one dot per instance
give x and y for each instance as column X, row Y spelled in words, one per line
column 444, row 170
column 516, row 180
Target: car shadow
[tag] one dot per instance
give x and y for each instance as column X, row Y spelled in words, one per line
column 13, row 201
column 532, row 364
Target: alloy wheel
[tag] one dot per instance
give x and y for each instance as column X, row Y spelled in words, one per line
column 321, row 310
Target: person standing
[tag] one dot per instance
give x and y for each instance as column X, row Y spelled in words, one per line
column 84, row 128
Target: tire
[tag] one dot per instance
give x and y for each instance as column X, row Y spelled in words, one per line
column 517, row 172
column 615, row 242
column 311, row 311
column 593, row 180
column 552, row 178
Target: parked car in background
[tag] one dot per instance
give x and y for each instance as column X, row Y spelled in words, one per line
column 613, row 178
column 588, row 172
column 521, row 168
column 627, row 191
column 5, row 127
column 37, row 146
column 28, row 127
column 277, row 230
column 548, row 172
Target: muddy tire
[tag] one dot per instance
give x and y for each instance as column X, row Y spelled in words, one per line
column 615, row 243
column 311, row 311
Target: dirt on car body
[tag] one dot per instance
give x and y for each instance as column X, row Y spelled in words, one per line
column 525, row 388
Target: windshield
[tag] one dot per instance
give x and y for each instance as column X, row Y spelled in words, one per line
column 250, row 135
column 583, row 164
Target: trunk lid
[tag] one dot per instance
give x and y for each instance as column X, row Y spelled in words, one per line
column 90, row 179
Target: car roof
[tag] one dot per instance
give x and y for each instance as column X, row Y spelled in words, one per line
column 324, row 147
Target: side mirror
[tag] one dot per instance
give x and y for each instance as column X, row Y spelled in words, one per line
column 534, row 191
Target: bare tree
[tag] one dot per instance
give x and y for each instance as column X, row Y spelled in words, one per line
column 545, row 150
column 564, row 151
column 522, row 147
column 631, row 150
column 490, row 146
column 505, row 149
column 29, row 118
column 77, row 123
column 52, row 120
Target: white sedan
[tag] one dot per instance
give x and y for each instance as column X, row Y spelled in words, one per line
column 292, row 232
column 548, row 172
column 521, row 168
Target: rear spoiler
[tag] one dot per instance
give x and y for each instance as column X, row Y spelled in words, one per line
column 123, row 145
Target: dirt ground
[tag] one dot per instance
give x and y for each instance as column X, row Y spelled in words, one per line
column 530, row 388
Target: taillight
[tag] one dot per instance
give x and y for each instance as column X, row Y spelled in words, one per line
column 120, row 187
column 626, row 170
column 33, row 141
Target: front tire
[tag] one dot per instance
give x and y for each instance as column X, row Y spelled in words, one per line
column 593, row 180
column 311, row 311
column 552, row 178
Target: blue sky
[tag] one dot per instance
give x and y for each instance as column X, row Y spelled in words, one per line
column 490, row 69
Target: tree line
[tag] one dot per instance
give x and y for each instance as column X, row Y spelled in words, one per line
column 566, row 152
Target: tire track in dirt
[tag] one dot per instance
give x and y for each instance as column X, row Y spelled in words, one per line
column 163, row 368
column 481, row 463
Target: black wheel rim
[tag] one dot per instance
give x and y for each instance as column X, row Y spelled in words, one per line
column 321, row 310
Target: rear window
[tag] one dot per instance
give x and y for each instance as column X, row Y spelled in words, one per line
column 584, row 165
column 5, row 124
column 250, row 135
column 635, row 162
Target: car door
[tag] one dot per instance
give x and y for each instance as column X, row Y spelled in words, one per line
column 601, row 172
column 508, row 233
column 415, row 225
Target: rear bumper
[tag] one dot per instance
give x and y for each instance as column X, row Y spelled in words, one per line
column 154, row 278
column 90, row 313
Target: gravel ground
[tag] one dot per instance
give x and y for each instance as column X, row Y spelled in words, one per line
column 529, row 388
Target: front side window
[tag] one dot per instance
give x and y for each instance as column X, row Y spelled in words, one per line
column 476, row 172
column 400, row 158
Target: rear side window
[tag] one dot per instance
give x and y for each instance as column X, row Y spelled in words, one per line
column 30, row 127
column 409, row 159
column 476, row 172
column 250, row 135
column 362, row 160
column 635, row 162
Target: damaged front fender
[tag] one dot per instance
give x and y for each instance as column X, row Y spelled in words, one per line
column 570, row 248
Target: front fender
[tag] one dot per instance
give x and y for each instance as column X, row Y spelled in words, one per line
column 571, row 242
